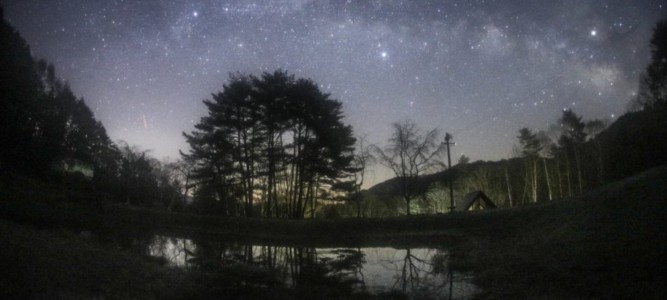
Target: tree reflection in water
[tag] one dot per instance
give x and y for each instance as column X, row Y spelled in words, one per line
column 176, row 251
column 320, row 272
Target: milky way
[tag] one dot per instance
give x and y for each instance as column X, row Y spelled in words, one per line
column 477, row 69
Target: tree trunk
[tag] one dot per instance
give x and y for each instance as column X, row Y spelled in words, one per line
column 509, row 189
column 534, row 185
column 560, row 178
column 546, row 175
column 578, row 162
column 567, row 175
column 407, row 206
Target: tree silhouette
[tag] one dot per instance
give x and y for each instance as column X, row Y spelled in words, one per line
column 530, row 150
column 570, row 143
column 410, row 154
column 41, row 120
column 463, row 160
column 272, row 94
column 20, row 93
column 653, row 82
column 271, row 139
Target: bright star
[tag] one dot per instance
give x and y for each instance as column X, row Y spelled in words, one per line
column 594, row 32
column 195, row 14
column 383, row 54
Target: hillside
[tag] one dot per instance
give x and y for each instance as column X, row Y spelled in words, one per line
column 391, row 187
column 608, row 244
column 633, row 143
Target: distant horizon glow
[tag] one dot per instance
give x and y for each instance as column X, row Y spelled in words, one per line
column 479, row 70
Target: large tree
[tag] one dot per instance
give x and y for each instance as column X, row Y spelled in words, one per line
column 271, row 140
column 653, row 82
column 410, row 154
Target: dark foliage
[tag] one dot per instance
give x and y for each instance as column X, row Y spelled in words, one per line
column 572, row 156
column 274, row 136
column 47, row 132
column 42, row 122
column 653, row 82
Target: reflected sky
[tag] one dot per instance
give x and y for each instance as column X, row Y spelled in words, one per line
column 416, row 271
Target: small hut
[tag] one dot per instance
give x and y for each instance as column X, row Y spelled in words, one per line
column 475, row 201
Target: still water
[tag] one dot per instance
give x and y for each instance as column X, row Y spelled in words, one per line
column 419, row 273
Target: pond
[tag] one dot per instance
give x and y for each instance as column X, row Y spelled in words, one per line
column 418, row 273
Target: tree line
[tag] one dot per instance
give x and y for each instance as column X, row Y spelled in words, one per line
column 274, row 145
column 565, row 159
column 576, row 156
column 47, row 132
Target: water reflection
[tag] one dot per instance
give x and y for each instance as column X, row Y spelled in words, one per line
column 420, row 273
column 174, row 250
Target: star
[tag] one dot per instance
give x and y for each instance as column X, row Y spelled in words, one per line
column 386, row 61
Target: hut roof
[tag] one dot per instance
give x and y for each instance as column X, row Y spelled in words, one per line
column 470, row 198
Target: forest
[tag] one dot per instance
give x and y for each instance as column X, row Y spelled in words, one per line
column 275, row 146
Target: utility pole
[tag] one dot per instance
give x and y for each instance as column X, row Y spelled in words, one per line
column 448, row 138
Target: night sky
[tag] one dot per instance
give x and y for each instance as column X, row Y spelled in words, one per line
column 477, row 69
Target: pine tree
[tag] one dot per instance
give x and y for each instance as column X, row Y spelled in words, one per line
column 653, row 82
column 275, row 136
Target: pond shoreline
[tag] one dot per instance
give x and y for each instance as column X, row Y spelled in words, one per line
column 578, row 248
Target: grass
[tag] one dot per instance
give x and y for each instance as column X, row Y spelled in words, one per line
column 59, row 264
column 46, row 209
column 607, row 244
column 56, row 264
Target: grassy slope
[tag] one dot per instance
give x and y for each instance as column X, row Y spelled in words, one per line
column 609, row 244
column 55, row 264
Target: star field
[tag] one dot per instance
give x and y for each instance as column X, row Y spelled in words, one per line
column 477, row 69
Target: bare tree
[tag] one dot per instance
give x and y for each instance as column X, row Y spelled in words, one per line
column 181, row 175
column 362, row 159
column 410, row 154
